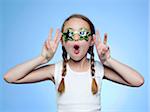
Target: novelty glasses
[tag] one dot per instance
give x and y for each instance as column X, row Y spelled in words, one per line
column 83, row 33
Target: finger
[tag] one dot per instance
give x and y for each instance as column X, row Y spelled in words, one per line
column 95, row 41
column 97, row 45
column 47, row 44
column 106, row 48
column 98, row 36
column 59, row 37
column 56, row 35
column 105, row 38
column 94, row 38
column 58, row 40
column 50, row 34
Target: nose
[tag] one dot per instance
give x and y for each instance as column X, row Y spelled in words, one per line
column 76, row 37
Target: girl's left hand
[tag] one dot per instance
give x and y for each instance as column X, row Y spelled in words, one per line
column 102, row 49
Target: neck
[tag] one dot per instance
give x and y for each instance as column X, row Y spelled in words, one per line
column 81, row 65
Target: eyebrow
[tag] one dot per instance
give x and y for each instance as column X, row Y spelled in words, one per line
column 77, row 30
column 67, row 29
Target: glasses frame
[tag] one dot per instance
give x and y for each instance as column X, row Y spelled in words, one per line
column 69, row 31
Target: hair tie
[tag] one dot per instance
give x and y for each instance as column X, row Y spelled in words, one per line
column 93, row 76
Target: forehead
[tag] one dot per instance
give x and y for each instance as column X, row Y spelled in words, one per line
column 76, row 24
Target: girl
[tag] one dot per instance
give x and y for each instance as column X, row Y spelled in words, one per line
column 78, row 79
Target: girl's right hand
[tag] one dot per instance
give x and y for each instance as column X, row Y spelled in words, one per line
column 50, row 45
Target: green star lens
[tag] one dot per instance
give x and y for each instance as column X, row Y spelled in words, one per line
column 68, row 36
column 83, row 33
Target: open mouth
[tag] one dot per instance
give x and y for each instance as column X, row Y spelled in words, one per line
column 76, row 49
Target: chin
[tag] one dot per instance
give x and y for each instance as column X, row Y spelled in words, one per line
column 77, row 58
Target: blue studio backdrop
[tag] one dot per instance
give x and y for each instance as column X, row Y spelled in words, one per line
column 24, row 26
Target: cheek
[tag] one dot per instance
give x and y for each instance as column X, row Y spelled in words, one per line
column 85, row 46
column 68, row 45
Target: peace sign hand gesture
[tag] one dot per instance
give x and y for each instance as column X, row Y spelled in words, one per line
column 102, row 49
column 50, row 45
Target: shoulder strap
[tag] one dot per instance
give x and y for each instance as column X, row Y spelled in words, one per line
column 99, row 69
column 58, row 71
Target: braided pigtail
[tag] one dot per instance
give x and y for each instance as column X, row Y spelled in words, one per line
column 94, row 84
column 61, row 87
column 94, row 87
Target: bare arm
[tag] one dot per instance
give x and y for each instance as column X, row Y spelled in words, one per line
column 113, row 76
column 28, row 73
column 115, row 70
column 123, row 74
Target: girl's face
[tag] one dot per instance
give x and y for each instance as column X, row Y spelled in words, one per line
column 77, row 39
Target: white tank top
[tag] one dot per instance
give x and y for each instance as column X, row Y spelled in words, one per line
column 78, row 96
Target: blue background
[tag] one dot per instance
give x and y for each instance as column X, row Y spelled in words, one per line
column 24, row 25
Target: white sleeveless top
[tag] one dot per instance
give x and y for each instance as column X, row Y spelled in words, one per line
column 78, row 96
